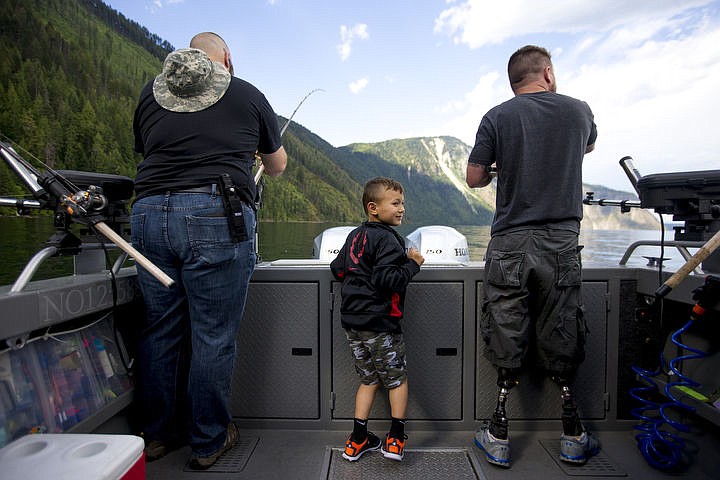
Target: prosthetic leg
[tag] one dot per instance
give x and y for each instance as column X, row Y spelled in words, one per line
column 507, row 379
column 576, row 445
column 492, row 438
column 570, row 419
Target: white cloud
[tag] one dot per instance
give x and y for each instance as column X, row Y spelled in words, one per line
column 157, row 5
column 358, row 85
column 657, row 104
column 465, row 113
column 478, row 22
column 649, row 71
column 347, row 35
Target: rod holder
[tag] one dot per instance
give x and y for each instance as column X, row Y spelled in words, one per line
column 632, row 173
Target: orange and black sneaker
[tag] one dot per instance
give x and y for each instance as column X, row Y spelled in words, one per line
column 394, row 447
column 354, row 450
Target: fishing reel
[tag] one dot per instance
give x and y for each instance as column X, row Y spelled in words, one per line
column 75, row 197
column 707, row 296
column 85, row 202
column 97, row 201
column 87, row 198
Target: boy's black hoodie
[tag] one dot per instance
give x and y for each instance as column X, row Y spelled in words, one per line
column 375, row 272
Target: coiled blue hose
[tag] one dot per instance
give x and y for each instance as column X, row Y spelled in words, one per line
column 661, row 448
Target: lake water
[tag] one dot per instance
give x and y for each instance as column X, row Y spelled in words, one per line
column 22, row 237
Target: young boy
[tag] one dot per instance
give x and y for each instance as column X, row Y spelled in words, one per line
column 375, row 272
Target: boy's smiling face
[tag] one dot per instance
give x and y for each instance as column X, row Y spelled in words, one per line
column 389, row 209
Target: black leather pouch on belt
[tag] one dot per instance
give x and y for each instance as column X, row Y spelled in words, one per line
column 233, row 208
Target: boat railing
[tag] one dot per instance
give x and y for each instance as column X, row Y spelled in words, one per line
column 681, row 246
column 83, row 262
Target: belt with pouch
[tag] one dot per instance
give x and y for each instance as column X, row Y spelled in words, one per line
column 231, row 201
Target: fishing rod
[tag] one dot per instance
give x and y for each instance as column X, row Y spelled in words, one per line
column 689, row 266
column 53, row 189
column 261, row 168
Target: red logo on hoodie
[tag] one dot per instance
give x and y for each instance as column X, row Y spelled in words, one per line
column 354, row 245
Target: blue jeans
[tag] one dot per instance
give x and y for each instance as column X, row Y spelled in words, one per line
column 187, row 236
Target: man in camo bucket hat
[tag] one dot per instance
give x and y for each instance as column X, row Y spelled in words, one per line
column 197, row 127
column 190, row 81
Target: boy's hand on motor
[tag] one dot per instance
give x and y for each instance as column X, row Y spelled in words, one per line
column 415, row 255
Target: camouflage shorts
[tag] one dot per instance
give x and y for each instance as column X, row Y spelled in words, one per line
column 379, row 357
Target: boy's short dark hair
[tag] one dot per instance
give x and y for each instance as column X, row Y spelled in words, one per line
column 376, row 187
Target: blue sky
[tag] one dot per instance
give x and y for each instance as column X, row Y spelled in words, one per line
column 649, row 69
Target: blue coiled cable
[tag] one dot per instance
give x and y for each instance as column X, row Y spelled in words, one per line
column 661, row 448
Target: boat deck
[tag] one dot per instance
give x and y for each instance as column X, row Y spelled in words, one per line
column 433, row 455
column 293, row 387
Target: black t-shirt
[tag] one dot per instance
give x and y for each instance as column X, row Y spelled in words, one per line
column 538, row 141
column 192, row 149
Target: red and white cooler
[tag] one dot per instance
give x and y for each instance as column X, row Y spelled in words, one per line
column 71, row 456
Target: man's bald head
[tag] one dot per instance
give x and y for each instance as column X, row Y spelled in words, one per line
column 212, row 44
column 216, row 48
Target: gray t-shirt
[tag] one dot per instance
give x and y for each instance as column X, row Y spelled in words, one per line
column 537, row 141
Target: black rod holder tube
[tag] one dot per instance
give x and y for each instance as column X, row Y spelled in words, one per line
column 629, row 168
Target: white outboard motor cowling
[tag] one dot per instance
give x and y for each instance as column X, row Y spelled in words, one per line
column 327, row 245
column 440, row 245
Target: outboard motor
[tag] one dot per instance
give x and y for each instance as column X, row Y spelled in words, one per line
column 440, row 245
column 327, row 245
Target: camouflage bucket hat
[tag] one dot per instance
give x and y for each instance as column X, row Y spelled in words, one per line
column 190, row 82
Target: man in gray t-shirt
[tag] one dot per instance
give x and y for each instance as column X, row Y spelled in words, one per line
column 536, row 141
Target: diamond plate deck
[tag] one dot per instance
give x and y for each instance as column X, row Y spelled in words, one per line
column 597, row 466
column 234, row 460
column 435, row 463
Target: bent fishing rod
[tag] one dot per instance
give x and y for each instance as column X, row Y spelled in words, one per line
column 52, row 189
column 261, row 168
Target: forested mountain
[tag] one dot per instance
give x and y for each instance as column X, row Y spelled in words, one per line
column 70, row 74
